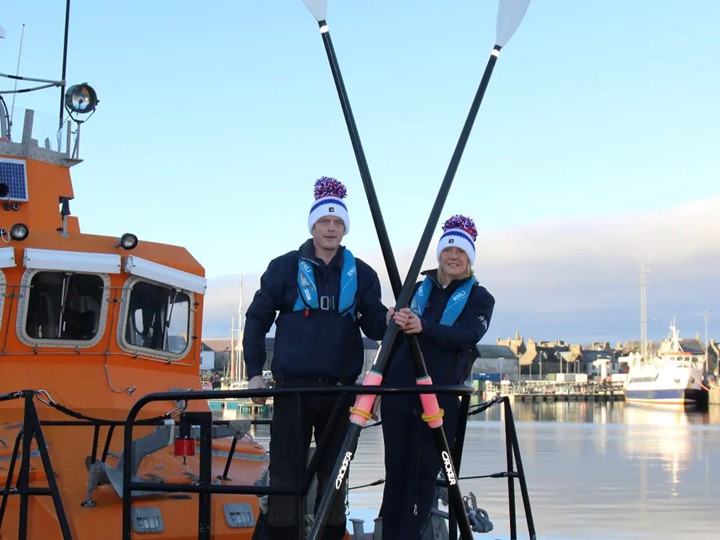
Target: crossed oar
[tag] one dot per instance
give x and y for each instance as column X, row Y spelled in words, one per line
column 510, row 14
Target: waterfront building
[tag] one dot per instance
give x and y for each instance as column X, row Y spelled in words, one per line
column 495, row 363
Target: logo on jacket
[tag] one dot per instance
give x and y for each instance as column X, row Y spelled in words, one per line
column 483, row 321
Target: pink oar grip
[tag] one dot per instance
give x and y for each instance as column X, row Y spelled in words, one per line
column 430, row 405
column 364, row 403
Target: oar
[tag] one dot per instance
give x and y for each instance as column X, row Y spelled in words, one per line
column 383, row 237
column 318, row 10
column 510, row 14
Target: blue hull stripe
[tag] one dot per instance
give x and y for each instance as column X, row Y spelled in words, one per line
column 675, row 395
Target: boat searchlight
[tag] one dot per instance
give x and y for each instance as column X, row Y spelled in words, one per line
column 19, row 231
column 81, row 99
column 128, row 241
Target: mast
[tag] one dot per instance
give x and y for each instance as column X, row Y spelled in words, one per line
column 643, row 310
column 231, row 377
column 64, row 63
column 241, row 327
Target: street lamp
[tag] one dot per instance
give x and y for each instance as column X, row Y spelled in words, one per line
column 705, row 316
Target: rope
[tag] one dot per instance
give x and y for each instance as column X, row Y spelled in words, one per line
column 49, row 401
column 484, row 406
column 375, row 483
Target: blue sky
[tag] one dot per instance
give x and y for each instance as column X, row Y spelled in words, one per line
column 595, row 148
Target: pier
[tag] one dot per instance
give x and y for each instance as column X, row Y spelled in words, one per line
column 556, row 390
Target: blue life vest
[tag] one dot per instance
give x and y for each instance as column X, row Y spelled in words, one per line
column 308, row 294
column 454, row 305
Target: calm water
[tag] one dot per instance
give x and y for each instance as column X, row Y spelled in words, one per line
column 594, row 471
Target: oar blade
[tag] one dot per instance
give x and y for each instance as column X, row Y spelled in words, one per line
column 318, row 8
column 510, row 15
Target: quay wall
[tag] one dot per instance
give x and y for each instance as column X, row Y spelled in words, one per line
column 556, row 391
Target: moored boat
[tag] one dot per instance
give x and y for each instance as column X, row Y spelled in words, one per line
column 674, row 376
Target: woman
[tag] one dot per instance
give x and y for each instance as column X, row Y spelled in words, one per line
column 449, row 313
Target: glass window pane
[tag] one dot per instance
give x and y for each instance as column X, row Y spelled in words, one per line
column 64, row 306
column 158, row 318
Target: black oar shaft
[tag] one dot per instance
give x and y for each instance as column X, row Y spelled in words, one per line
column 373, row 202
column 414, row 270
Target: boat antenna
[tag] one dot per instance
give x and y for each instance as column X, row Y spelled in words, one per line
column 64, row 64
column 17, row 73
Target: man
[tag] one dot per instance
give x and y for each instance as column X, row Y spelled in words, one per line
column 324, row 297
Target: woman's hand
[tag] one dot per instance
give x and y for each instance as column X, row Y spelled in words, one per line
column 407, row 321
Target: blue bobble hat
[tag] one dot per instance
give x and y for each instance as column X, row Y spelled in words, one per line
column 329, row 194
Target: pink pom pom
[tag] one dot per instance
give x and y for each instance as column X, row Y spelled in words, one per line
column 461, row 222
column 326, row 186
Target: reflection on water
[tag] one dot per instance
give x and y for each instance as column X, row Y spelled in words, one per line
column 615, row 470
column 594, row 470
column 602, row 413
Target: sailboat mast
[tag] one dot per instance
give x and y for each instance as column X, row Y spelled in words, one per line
column 241, row 326
column 643, row 311
column 232, row 349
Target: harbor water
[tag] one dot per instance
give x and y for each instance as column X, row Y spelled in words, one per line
column 595, row 470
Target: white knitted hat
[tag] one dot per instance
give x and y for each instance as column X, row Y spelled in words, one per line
column 460, row 232
column 329, row 193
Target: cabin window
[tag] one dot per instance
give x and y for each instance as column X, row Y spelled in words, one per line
column 64, row 306
column 157, row 318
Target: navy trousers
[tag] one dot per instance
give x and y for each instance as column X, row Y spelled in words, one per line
column 294, row 424
column 412, row 463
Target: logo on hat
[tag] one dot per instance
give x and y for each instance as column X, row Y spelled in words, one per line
column 331, row 208
column 451, row 240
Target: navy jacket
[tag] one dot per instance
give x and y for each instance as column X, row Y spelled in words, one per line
column 448, row 350
column 312, row 343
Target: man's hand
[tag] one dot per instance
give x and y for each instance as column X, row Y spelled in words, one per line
column 255, row 383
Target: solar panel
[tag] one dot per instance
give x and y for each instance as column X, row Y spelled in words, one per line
column 13, row 175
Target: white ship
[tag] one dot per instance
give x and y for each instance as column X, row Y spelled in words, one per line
column 674, row 376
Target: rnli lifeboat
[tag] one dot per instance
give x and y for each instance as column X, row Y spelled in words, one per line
column 90, row 324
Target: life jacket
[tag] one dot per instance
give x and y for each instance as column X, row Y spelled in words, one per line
column 308, row 294
column 453, row 307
